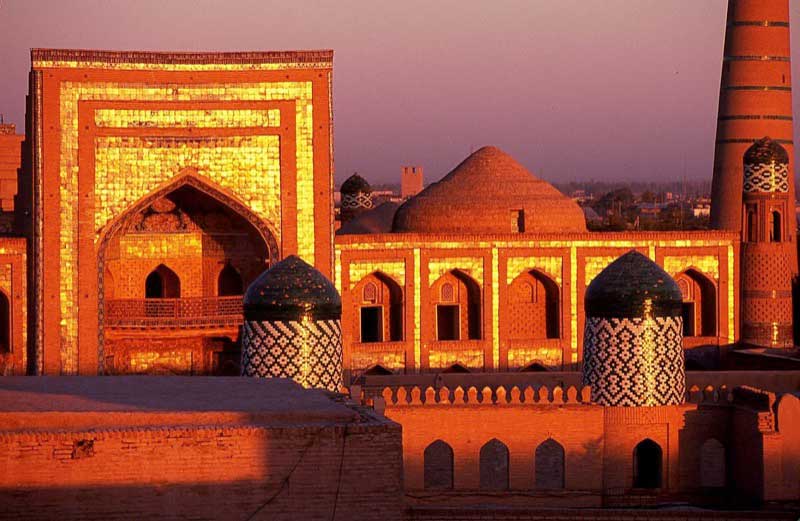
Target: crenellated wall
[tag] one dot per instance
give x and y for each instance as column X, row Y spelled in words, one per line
column 722, row 440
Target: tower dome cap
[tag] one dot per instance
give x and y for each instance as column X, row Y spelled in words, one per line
column 354, row 184
column 632, row 286
column 292, row 289
column 765, row 151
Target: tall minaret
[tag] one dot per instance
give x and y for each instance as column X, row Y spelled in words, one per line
column 755, row 100
column 767, row 253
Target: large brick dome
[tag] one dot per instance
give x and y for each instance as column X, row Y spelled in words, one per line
column 484, row 194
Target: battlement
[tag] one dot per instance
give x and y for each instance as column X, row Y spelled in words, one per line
column 748, row 397
column 499, row 395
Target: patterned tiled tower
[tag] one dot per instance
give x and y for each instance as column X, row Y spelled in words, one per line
column 769, row 221
column 633, row 341
column 755, row 99
column 356, row 197
column 292, row 326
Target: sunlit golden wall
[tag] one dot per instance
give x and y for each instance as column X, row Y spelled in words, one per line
column 494, row 262
column 129, row 123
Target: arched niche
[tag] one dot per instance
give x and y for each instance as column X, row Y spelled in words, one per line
column 534, row 307
column 378, row 303
column 192, row 226
column 456, row 300
column 699, row 309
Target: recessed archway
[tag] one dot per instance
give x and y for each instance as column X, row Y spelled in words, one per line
column 699, row 309
column 188, row 228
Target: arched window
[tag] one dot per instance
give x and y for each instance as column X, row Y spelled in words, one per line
column 494, row 465
column 549, row 470
column 699, row 308
column 775, row 233
column 5, row 323
column 752, row 229
column 370, row 293
column 447, row 292
column 712, row 464
column 438, row 464
column 647, row 465
column 381, row 310
column 458, row 307
column 162, row 282
column 229, row 282
column 534, row 307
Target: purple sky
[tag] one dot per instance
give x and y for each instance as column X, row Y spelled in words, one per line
column 574, row 89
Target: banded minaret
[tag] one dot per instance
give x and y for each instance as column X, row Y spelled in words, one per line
column 755, row 100
column 767, row 251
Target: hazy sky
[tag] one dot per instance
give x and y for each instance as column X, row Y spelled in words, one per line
column 574, row 89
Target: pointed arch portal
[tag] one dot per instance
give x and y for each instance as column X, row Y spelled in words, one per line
column 187, row 227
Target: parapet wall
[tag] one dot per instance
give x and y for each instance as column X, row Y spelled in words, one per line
column 202, row 473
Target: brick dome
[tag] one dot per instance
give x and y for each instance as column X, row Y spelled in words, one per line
column 291, row 290
column 482, row 194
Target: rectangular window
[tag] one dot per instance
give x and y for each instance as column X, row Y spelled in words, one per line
column 518, row 221
column 447, row 323
column 371, row 324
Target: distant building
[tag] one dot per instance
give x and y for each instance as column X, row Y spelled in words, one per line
column 411, row 181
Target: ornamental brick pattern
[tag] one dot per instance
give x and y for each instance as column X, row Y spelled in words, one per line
column 634, row 362
column 309, row 352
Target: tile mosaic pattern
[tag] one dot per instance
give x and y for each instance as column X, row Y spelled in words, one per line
column 307, row 351
column 357, row 201
column 766, row 177
column 634, row 361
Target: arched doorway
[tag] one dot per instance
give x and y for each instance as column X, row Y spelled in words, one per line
column 187, row 229
column 647, row 457
column 5, row 323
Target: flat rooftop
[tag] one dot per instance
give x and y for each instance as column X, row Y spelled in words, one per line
column 93, row 402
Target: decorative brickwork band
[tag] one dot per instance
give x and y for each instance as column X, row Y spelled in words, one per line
column 309, row 352
column 766, row 177
column 358, row 200
column 634, row 362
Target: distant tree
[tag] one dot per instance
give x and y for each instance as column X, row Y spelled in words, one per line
column 648, row 197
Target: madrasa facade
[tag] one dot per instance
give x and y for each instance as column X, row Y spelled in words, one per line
column 474, row 353
column 151, row 189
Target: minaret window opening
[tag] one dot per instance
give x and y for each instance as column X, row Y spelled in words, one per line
column 752, row 229
column 775, row 227
column 5, row 324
